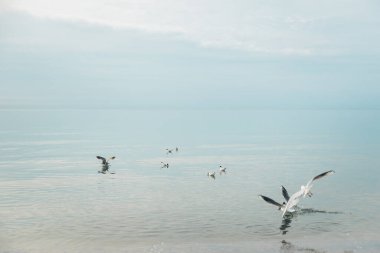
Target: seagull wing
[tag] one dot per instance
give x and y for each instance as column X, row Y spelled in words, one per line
column 104, row 161
column 310, row 183
column 293, row 201
column 285, row 193
column 269, row 200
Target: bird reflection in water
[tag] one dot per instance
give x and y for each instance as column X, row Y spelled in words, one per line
column 286, row 223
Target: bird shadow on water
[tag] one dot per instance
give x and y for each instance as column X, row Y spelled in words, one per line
column 312, row 210
column 287, row 247
column 287, row 220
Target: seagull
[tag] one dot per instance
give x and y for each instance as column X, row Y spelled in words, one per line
column 304, row 191
column 105, row 164
column 211, row 174
column 169, row 151
column 164, row 165
column 222, row 170
column 280, row 206
column 176, row 149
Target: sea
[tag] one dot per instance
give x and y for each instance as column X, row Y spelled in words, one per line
column 53, row 200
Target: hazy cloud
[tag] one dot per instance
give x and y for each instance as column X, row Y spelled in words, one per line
column 189, row 54
column 275, row 27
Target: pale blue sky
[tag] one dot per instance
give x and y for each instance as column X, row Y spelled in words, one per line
column 189, row 54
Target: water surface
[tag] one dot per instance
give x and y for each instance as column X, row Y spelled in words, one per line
column 53, row 200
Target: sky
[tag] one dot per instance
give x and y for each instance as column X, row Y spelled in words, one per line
column 252, row 54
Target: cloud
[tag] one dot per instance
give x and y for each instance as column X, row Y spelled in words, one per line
column 149, row 54
column 275, row 27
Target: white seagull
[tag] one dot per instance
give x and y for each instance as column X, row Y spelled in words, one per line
column 305, row 190
column 211, row 174
column 222, row 170
column 169, row 151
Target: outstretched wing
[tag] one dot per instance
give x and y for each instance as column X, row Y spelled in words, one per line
column 111, row 158
column 269, row 200
column 285, row 193
column 293, row 201
column 327, row 173
column 104, row 161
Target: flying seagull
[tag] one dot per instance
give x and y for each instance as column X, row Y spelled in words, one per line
column 169, row 151
column 280, row 206
column 304, row 191
column 105, row 164
column 176, row 149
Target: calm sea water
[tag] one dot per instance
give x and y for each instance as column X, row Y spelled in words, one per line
column 53, row 200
